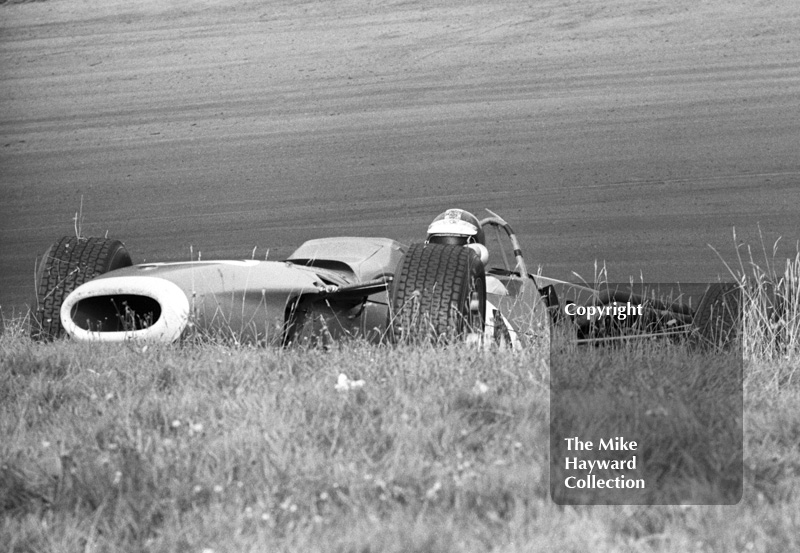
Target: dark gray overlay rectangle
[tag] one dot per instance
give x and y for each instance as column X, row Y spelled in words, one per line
column 653, row 420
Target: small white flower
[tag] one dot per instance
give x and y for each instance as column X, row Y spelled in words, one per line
column 45, row 444
column 344, row 384
column 480, row 388
column 176, row 423
column 117, row 478
column 218, row 489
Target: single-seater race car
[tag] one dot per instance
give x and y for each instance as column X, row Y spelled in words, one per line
column 329, row 289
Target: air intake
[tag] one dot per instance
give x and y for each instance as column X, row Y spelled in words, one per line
column 115, row 309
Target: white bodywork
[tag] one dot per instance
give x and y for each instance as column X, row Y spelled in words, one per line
column 167, row 328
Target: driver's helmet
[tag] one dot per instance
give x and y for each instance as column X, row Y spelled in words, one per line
column 456, row 226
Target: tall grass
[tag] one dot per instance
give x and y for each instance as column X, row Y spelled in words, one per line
column 771, row 308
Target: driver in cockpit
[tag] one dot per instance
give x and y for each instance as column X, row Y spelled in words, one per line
column 462, row 228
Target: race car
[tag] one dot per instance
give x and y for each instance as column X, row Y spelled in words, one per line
column 443, row 289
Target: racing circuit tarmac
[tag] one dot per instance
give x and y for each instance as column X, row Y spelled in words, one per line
column 631, row 132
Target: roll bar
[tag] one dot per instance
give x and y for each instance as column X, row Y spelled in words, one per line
column 498, row 222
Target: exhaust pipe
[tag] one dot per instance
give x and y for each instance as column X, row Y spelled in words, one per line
column 117, row 309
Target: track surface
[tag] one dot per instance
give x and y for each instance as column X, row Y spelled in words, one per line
column 635, row 132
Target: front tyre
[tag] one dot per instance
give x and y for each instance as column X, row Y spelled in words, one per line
column 66, row 265
column 438, row 293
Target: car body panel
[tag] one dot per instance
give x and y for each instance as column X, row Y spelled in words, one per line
column 366, row 258
column 315, row 293
column 243, row 300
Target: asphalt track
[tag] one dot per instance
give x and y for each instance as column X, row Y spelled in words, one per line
column 631, row 133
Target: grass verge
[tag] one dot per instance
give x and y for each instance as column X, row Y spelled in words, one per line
column 208, row 447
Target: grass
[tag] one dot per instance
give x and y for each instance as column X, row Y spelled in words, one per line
column 169, row 448
column 771, row 296
column 126, row 448
column 210, row 447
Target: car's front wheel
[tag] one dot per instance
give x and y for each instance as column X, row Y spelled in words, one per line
column 439, row 293
column 66, row 265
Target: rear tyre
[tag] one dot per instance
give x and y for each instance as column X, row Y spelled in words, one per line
column 439, row 293
column 66, row 265
column 718, row 318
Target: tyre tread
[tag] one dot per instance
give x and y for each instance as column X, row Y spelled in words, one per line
column 440, row 277
column 66, row 265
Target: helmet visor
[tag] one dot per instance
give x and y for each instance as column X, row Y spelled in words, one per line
column 452, row 239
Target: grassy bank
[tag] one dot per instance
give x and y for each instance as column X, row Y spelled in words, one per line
column 208, row 447
column 193, row 448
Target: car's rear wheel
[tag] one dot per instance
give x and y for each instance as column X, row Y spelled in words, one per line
column 438, row 293
column 718, row 318
column 66, row 265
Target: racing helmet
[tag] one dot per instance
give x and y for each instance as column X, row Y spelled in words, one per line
column 456, row 226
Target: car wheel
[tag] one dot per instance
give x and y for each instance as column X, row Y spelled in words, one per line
column 439, row 293
column 66, row 265
column 718, row 316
